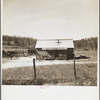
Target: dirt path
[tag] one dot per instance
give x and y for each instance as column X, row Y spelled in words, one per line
column 28, row 61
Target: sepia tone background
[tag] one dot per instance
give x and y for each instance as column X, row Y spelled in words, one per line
column 27, row 21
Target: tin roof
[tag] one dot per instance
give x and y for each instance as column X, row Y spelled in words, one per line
column 54, row 44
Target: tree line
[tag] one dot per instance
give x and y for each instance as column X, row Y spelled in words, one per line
column 18, row 41
column 83, row 44
column 86, row 44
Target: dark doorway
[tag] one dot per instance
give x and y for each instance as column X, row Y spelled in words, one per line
column 56, row 53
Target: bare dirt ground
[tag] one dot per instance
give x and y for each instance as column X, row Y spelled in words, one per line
column 28, row 61
column 58, row 72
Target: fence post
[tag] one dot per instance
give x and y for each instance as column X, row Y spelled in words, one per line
column 34, row 68
column 74, row 69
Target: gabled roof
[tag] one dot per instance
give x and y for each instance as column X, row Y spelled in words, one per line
column 55, row 44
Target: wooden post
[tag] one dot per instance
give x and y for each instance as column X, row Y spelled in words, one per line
column 74, row 69
column 34, row 68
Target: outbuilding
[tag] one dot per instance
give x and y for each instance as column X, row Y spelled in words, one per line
column 55, row 48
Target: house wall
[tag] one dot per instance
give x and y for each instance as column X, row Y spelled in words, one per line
column 59, row 54
column 62, row 54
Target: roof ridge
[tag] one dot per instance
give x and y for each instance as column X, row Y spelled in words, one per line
column 52, row 39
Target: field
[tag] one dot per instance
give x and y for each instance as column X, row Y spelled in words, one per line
column 52, row 75
column 13, row 48
column 61, row 74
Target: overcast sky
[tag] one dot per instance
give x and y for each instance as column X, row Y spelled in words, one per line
column 75, row 19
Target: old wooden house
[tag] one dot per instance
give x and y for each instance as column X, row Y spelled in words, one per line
column 55, row 48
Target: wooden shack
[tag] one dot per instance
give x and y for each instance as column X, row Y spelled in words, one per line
column 56, row 48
